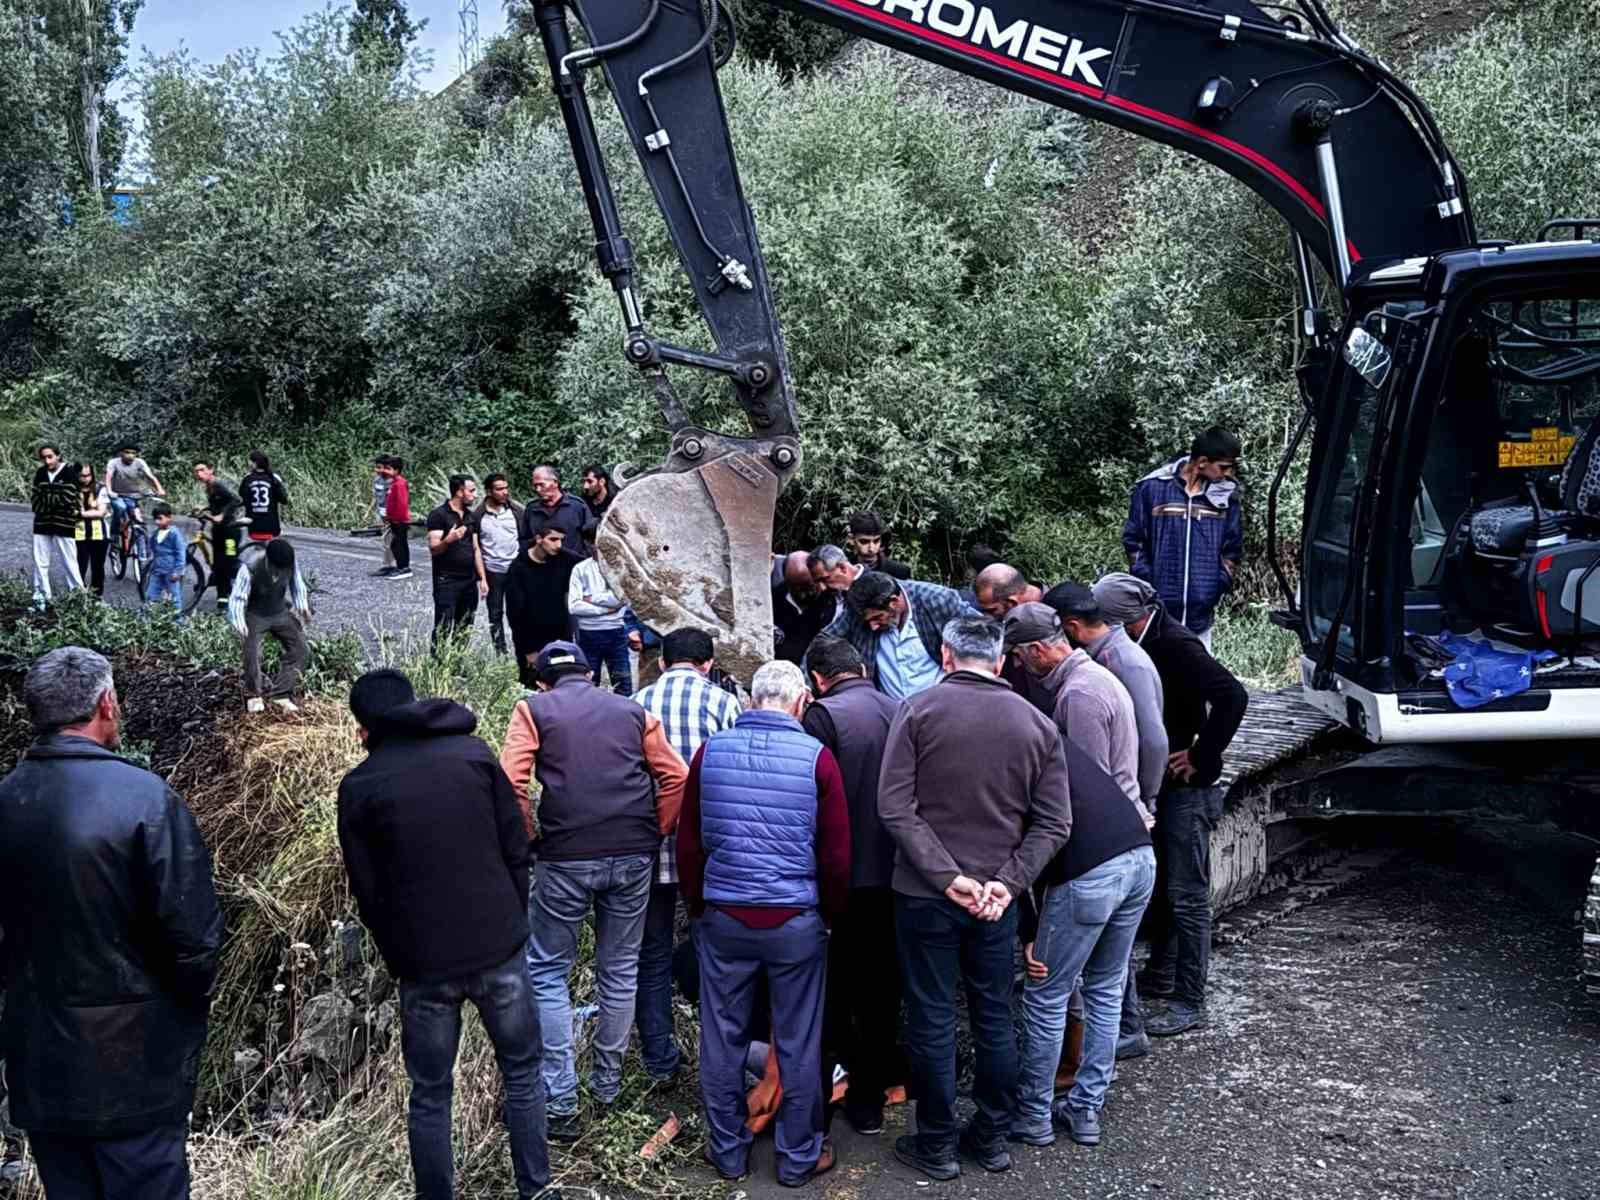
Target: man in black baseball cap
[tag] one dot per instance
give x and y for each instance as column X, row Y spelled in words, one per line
column 610, row 787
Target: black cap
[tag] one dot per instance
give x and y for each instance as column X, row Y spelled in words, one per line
column 558, row 659
column 377, row 692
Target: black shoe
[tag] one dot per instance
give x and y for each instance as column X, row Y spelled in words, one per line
column 726, row 1178
column 398, row 574
column 826, row 1161
column 1179, row 1018
column 1083, row 1124
column 865, row 1121
column 1135, row 1045
column 1159, row 986
column 992, row 1157
column 909, row 1151
column 565, row 1129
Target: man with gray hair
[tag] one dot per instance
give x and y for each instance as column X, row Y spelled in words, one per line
column 831, row 569
column 112, row 933
column 973, row 792
column 764, row 864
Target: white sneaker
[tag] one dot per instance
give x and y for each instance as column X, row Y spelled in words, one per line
column 288, row 705
column 255, row 704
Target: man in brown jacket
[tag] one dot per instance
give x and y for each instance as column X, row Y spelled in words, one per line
column 974, row 793
column 611, row 786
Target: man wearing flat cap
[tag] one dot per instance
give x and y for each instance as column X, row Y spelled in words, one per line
column 610, row 787
column 1203, row 705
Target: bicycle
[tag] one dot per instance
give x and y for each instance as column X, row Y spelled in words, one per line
column 132, row 545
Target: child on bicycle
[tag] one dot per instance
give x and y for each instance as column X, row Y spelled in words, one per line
column 167, row 563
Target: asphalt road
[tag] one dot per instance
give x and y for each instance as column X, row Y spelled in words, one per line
column 345, row 596
column 1420, row 1036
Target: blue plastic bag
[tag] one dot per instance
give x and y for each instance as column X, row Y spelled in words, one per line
column 1480, row 674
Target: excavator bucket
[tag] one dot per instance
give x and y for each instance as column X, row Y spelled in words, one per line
column 693, row 548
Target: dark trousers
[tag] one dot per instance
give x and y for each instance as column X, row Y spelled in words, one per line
column 793, row 959
column 608, row 647
column 224, row 561
column 430, row 1032
column 940, row 943
column 143, row 1166
column 400, row 544
column 861, row 1022
column 1180, row 928
column 455, row 604
column 497, row 608
column 652, row 1006
column 286, row 630
column 92, row 563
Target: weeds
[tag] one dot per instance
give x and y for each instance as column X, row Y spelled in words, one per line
column 1253, row 648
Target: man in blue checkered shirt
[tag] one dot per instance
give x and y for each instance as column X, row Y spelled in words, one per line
column 690, row 708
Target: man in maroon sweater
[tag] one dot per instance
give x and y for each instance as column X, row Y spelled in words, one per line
column 764, row 864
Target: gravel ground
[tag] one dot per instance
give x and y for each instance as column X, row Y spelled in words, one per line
column 1420, row 1036
column 344, row 593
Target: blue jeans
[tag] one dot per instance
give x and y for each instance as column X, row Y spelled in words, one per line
column 1086, row 928
column 938, row 944
column 121, row 506
column 652, row 1011
column 1180, row 934
column 158, row 588
column 608, row 647
column 430, row 1031
column 560, row 897
column 793, row 958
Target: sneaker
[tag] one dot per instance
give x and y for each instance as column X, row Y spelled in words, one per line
column 564, row 1128
column 1039, row 1140
column 827, row 1160
column 865, row 1121
column 1083, row 1124
column 384, row 572
column 288, row 705
column 1179, row 1018
column 255, row 704
column 991, row 1156
column 1135, row 1045
column 908, row 1149
column 397, row 573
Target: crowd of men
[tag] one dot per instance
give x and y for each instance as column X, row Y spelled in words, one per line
column 918, row 791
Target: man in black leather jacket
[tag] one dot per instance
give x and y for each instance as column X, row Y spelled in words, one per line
column 112, row 932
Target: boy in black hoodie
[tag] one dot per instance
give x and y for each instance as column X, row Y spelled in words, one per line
column 437, row 854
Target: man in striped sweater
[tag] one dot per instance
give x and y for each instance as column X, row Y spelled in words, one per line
column 690, row 708
column 56, row 511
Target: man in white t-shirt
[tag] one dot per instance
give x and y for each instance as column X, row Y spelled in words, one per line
column 127, row 477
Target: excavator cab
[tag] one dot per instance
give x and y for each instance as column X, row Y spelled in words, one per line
column 1455, row 490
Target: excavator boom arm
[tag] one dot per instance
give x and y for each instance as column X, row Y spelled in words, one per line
column 1290, row 106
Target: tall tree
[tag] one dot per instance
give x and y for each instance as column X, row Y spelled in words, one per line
column 381, row 31
column 95, row 34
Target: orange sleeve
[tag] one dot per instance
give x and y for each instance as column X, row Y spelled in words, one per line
column 663, row 762
column 517, row 756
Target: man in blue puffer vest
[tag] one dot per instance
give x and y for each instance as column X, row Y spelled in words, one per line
column 764, row 864
column 1185, row 530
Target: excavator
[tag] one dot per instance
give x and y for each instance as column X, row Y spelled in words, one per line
column 1450, row 387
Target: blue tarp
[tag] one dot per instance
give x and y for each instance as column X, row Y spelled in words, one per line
column 1480, row 674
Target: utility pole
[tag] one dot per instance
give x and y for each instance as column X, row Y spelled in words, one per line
column 471, row 45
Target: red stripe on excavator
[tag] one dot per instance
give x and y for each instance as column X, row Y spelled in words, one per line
column 1245, row 152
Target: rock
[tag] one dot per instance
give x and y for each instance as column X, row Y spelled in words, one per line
column 325, row 1026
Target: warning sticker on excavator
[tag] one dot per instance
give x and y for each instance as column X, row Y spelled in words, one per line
column 1546, row 446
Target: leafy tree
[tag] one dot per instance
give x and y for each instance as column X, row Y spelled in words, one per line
column 95, row 34
column 381, row 34
column 35, row 165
